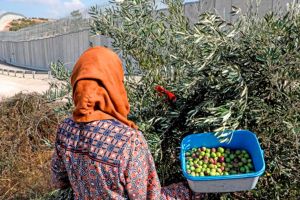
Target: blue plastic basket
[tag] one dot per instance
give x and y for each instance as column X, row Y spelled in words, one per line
column 241, row 139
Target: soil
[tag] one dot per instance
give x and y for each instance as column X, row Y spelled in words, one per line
column 11, row 84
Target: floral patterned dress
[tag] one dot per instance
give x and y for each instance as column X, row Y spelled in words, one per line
column 108, row 160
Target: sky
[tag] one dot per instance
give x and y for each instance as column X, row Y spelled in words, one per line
column 46, row 8
column 52, row 9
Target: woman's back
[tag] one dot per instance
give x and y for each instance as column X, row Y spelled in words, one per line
column 107, row 160
column 92, row 153
column 99, row 152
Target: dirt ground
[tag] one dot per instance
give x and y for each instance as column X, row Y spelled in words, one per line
column 10, row 85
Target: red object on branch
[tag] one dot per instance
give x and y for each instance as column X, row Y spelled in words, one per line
column 161, row 90
column 171, row 96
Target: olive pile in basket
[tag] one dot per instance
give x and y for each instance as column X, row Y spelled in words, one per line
column 219, row 161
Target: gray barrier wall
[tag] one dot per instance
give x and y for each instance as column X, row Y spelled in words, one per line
column 38, row 54
column 38, row 46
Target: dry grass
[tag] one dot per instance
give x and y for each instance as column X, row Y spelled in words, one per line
column 27, row 132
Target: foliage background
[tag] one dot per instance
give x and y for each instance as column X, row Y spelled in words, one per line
column 225, row 76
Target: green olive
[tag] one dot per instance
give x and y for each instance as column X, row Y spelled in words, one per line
column 213, row 173
column 233, row 172
column 211, row 166
column 242, row 169
column 250, row 166
column 217, row 161
column 221, row 150
column 228, row 160
column 227, row 151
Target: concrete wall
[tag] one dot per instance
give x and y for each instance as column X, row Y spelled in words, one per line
column 223, row 7
column 39, row 53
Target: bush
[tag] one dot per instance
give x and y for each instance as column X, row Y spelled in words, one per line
column 27, row 133
column 224, row 76
column 18, row 24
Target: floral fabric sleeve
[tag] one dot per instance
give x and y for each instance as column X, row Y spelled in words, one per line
column 140, row 178
column 59, row 176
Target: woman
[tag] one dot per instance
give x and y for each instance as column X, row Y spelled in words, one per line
column 98, row 151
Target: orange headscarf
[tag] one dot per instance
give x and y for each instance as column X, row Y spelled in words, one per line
column 98, row 87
